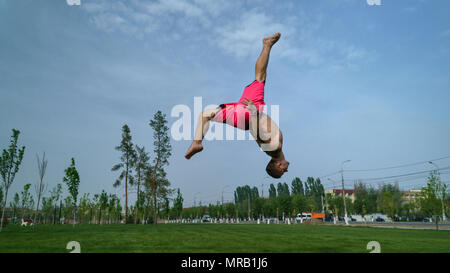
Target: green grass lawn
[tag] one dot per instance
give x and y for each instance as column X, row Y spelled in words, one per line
column 220, row 238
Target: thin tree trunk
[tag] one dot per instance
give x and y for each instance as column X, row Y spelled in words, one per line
column 126, row 192
column 155, row 216
column 137, row 207
column 4, row 208
column 37, row 207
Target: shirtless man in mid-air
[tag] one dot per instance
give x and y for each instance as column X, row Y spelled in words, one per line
column 246, row 114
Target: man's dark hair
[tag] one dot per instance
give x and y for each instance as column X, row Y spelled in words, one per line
column 272, row 170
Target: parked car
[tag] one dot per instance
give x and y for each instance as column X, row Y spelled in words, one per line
column 329, row 218
column 303, row 216
column 206, row 218
column 379, row 219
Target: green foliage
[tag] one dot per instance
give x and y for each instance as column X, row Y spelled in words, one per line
column 314, row 189
column 127, row 157
column 27, row 202
column 282, row 189
column 10, row 161
column 429, row 202
column 156, row 183
column 389, row 200
column 161, row 139
column 72, row 180
column 178, row 203
column 272, row 191
column 297, row 187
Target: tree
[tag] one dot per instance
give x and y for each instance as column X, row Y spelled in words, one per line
column 299, row 203
column 84, row 208
column 10, row 161
column 162, row 150
column 40, row 187
column 297, row 186
column 140, row 165
column 429, row 202
column 361, row 198
column 127, row 159
column 389, row 200
column 1, row 196
column 282, row 189
column 272, row 191
column 15, row 204
column 72, row 180
column 27, row 199
column 335, row 204
column 102, row 204
column 178, row 204
column 55, row 196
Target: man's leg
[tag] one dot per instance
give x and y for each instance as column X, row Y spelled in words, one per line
column 200, row 132
column 263, row 59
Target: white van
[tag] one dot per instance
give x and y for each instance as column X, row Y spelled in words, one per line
column 303, row 216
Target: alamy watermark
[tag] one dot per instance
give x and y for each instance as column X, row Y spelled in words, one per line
column 183, row 128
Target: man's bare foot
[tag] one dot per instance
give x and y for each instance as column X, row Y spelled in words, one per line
column 271, row 40
column 195, row 148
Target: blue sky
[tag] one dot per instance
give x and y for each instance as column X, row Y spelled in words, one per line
column 353, row 81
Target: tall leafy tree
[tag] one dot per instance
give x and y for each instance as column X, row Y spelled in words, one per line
column 272, row 191
column 40, row 187
column 315, row 190
column 389, row 199
column 140, row 165
column 127, row 159
column 102, row 204
column 178, row 203
column 282, row 189
column 162, row 150
column 297, row 187
column 10, row 161
column 430, row 203
column 72, row 180
column 27, row 200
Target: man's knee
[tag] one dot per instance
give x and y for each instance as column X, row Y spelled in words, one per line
column 208, row 114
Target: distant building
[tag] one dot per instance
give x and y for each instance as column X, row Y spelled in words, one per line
column 410, row 196
column 348, row 193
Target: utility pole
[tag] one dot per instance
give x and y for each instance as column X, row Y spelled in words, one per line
column 441, row 189
column 343, row 191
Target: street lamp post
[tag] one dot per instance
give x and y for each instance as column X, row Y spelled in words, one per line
column 441, row 189
column 343, row 190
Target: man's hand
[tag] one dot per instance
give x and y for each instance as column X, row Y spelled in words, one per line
column 250, row 106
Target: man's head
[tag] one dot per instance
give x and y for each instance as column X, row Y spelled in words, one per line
column 276, row 168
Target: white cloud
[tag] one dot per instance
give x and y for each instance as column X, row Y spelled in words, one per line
column 230, row 27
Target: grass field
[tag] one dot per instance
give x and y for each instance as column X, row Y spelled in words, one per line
column 220, row 238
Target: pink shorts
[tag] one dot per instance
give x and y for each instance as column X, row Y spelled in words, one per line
column 235, row 113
